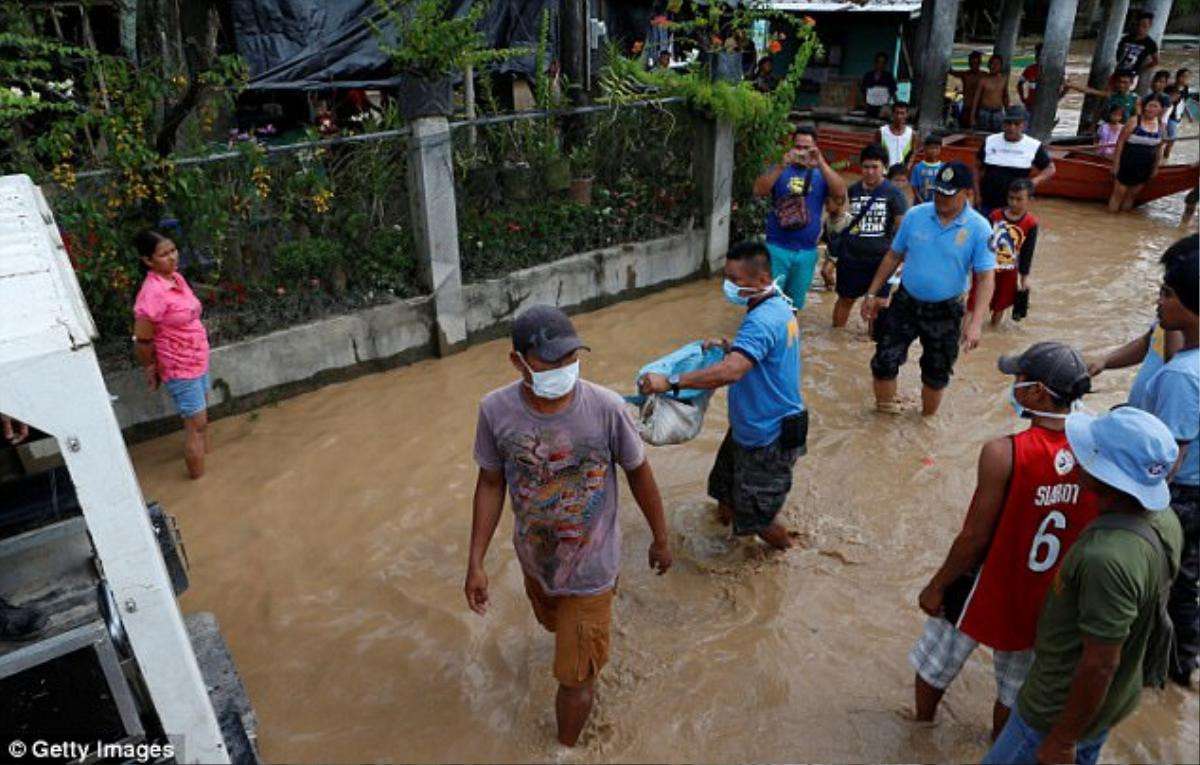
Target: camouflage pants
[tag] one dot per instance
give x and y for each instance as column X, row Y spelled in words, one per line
column 936, row 324
column 753, row 482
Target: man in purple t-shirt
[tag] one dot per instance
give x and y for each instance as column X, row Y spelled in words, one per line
column 555, row 441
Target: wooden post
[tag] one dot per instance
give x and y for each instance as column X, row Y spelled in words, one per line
column 1059, row 23
column 1010, row 30
column 920, row 44
column 1103, row 62
column 936, row 62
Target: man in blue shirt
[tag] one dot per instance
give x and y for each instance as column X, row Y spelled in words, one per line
column 768, row 422
column 798, row 187
column 940, row 244
column 1173, row 395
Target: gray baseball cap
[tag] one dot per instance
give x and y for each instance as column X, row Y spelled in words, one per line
column 546, row 332
column 1059, row 367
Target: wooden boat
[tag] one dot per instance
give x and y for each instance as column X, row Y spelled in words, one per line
column 1081, row 173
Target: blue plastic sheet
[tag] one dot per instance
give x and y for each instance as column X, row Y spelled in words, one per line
column 689, row 358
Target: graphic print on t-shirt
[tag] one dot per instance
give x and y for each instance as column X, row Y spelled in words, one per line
column 557, row 488
column 875, row 220
column 1007, row 239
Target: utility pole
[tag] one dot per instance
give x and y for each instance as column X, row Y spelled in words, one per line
column 1059, row 23
column 936, row 62
column 1104, row 60
column 1010, row 30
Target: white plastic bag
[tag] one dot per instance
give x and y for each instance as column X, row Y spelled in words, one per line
column 664, row 420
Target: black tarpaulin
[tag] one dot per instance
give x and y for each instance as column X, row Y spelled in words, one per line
column 310, row 44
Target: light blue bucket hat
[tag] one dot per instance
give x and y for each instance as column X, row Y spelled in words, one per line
column 1127, row 449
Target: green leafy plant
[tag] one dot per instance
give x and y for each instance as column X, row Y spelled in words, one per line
column 431, row 42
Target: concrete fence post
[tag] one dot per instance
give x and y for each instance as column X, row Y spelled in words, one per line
column 435, row 221
column 713, row 170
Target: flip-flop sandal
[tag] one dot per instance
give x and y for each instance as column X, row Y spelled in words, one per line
column 895, row 406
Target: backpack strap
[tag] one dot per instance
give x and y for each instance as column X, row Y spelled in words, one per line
column 1138, row 524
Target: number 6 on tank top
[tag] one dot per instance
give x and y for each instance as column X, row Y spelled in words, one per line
column 1045, row 542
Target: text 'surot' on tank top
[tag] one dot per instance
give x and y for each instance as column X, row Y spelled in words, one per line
column 1015, row 154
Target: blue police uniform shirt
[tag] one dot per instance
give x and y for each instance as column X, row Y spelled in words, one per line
column 770, row 391
column 1173, row 396
column 939, row 259
column 791, row 181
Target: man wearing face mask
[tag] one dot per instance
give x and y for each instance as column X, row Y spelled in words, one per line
column 768, row 423
column 1027, row 510
column 555, row 441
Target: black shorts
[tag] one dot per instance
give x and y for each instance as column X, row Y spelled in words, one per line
column 854, row 276
column 753, row 482
column 1137, row 163
column 936, row 324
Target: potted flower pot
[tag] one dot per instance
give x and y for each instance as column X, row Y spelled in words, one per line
column 517, row 181
column 580, row 191
column 723, row 66
column 423, row 96
column 556, row 174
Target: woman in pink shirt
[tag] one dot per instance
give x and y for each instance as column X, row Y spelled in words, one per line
column 171, row 343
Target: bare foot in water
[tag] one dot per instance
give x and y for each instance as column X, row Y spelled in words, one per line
column 724, row 514
column 777, row 536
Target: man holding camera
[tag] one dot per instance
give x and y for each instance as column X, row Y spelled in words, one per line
column 798, row 187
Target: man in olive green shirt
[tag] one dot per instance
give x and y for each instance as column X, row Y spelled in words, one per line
column 1103, row 602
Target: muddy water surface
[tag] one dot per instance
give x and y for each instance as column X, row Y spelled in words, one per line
column 330, row 538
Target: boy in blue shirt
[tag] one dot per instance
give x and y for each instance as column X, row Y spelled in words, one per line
column 768, row 422
column 925, row 171
column 1173, row 395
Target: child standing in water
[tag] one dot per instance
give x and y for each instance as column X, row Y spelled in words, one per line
column 1110, row 130
column 837, row 218
column 1014, row 237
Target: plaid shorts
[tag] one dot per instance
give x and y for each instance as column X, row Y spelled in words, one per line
column 943, row 650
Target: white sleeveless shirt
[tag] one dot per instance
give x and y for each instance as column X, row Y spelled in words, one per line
column 898, row 146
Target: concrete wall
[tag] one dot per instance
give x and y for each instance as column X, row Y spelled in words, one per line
column 253, row 372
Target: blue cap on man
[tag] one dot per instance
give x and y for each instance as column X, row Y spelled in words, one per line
column 1127, row 449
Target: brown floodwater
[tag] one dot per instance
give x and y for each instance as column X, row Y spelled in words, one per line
column 330, row 538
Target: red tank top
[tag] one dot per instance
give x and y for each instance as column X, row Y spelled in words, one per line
column 1043, row 514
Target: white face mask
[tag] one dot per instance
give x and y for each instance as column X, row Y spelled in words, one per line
column 553, row 383
column 1025, row 412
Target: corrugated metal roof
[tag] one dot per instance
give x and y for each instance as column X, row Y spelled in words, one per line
column 41, row 306
column 852, row 6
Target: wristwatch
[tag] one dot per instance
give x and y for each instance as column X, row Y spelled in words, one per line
column 673, row 381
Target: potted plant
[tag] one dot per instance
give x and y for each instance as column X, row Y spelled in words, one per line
column 712, row 28
column 428, row 46
column 580, row 190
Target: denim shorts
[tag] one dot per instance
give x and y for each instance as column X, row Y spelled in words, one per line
column 1019, row 741
column 1172, row 129
column 190, row 395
